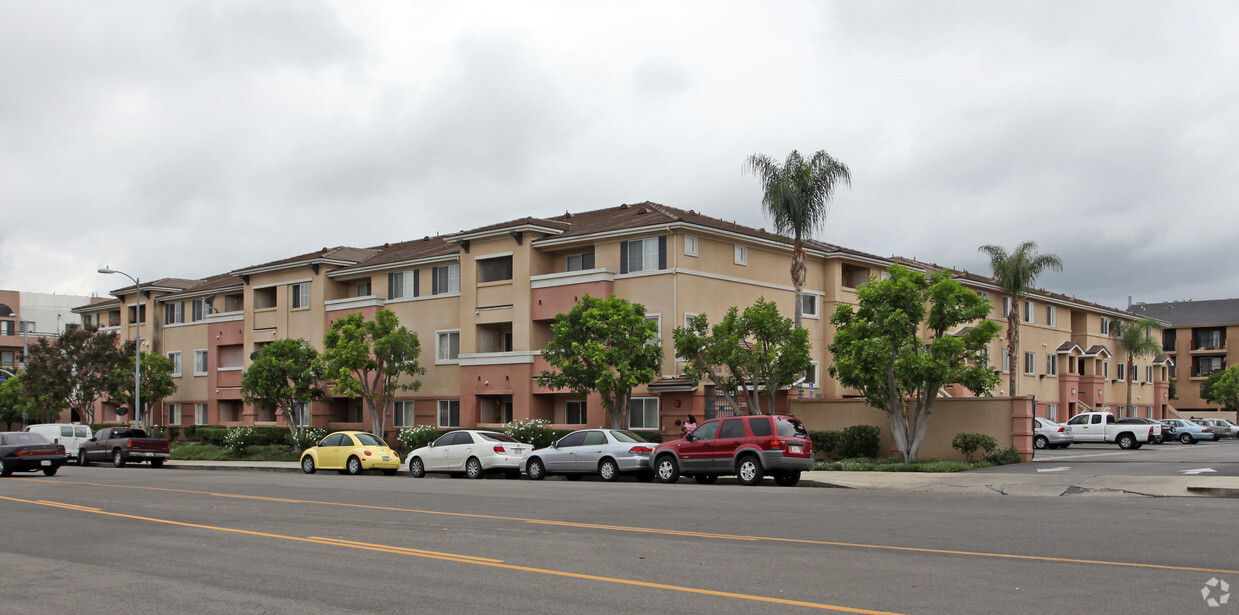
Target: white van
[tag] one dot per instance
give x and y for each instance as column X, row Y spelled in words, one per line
column 63, row 433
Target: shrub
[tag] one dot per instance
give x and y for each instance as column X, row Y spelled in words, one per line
column 1003, row 457
column 827, row 442
column 238, row 439
column 967, row 443
column 212, row 434
column 417, row 436
column 309, row 436
column 860, row 441
column 537, row 432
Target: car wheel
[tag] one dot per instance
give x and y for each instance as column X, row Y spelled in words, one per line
column 389, row 472
column 1041, row 442
column 645, row 476
column 5, row 470
column 473, row 468
column 749, row 470
column 353, row 467
column 1127, row 441
column 787, row 479
column 81, row 459
column 156, row 463
column 608, row 470
column 667, row 470
column 535, row 469
column 1186, row 438
column 118, row 460
column 51, row 471
column 417, row 469
column 307, row 465
column 706, row 479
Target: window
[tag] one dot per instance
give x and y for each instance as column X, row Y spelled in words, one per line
column 495, row 269
column 199, row 309
column 1051, row 412
column 808, row 305
column 732, row 428
column 403, row 413
column 1029, row 312
column 1030, row 362
column 200, row 414
column 362, row 289
column 1169, row 338
column 8, row 358
column 301, row 415
column 402, row 284
column 1105, row 369
column 1006, row 360
column 982, row 294
column 446, row 279
column 174, row 414
column 264, row 298
column 174, row 313
column 1051, row 316
column 1148, row 376
column 657, row 339
column 742, row 255
column 7, row 327
column 175, row 358
column 354, row 411
column 1051, row 364
column 1122, row 371
column 1105, row 325
column 854, row 275
column 643, row 255
column 447, row 346
column 643, row 413
column 983, row 357
column 200, row 362
column 580, row 262
column 299, row 295
column 449, row 413
column 690, row 245
column 575, row 413
column 1172, row 371
column 810, row 375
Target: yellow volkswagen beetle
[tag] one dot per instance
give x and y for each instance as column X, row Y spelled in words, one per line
column 350, row 452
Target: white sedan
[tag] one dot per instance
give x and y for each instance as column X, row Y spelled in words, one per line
column 470, row 453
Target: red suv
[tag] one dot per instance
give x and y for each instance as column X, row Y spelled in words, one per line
column 748, row 446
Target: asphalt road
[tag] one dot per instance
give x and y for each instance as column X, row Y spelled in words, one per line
column 1219, row 458
column 138, row 540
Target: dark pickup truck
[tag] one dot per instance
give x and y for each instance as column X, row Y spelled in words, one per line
column 123, row 445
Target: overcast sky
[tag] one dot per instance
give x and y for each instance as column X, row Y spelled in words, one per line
column 185, row 139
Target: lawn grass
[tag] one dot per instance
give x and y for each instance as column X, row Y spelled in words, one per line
column 891, row 464
column 201, row 451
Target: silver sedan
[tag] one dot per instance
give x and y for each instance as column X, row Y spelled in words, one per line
column 1051, row 435
column 607, row 453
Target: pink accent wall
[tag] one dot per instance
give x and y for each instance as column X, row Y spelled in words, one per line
column 545, row 303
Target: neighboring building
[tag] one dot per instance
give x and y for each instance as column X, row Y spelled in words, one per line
column 25, row 317
column 482, row 302
column 1195, row 341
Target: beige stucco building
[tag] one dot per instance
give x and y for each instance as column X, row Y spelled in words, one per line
column 1195, row 339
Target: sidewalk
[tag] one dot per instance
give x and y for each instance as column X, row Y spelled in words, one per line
column 969, row 483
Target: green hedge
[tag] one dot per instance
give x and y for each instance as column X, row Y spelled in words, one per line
column 854, row 442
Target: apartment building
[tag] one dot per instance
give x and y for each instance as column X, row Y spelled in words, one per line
column 25, row 317
column 482, row 302
column 1195, row 340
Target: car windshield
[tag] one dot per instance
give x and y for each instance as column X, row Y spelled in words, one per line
column 626, row 436
column 369, row 439
column 497, row 437
column 791, row 427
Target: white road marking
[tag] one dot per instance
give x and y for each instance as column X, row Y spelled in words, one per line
column 1058, row 469
column 1198, row 471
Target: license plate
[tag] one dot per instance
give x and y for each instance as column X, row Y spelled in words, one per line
column 386, row 458
column 793, row 449
column 45, row 462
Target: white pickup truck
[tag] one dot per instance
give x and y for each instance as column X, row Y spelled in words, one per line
column 1102, row 427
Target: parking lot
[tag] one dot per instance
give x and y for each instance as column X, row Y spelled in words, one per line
column 1219, row 458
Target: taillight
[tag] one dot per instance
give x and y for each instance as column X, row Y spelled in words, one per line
column 27, row 453
column 128, row 443
column 499, row 449
column 367, row 452
column 640, row 449
column 1150, row 432
column 774, row 444
column 1206, row 430
column 1061, row 429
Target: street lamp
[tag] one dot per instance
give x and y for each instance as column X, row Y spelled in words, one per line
column 137, row 345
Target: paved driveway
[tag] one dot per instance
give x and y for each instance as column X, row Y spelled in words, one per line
column 1219, row 458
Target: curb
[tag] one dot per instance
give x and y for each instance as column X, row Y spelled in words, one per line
column 1214, row 492
column 169, row 466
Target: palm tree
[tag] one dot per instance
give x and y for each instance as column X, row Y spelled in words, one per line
column 1017, row 273
column 1135, row 339
column 796, row 195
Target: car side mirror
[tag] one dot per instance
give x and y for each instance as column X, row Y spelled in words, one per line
column 94, row 439
column 688, row 436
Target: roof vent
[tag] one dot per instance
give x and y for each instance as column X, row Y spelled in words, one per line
column 643, row 210
column 623, row 205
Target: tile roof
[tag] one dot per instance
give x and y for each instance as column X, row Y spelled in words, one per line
column 1191, row 313
column 338, row 253
column 405, row 251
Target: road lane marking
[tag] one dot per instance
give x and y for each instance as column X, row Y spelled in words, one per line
column 1197, row 471
column 1058, row 469
column 642, row 530
column 464, row 559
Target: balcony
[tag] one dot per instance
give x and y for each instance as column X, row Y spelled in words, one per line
column 557, row 293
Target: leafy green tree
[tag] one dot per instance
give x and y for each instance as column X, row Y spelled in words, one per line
column 285, row 373
column 74, row 370
column 1017, row 274
column 745, row 353
column 157, row 380
column 370, row 358
column 905, row 340
column 603, row 346
column 796, row 195
column 15, row 405
column 1222, row 388
column 1135, row 339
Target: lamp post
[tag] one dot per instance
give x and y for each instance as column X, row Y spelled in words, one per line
column 137, row 345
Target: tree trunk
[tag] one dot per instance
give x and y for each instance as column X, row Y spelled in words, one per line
column 1013, row 345
column 798, row 276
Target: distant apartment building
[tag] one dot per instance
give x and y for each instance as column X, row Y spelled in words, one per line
column 26, row 317
column 482, row 302
column 1196, row 342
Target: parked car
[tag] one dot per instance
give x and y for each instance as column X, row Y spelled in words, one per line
column 470, row 453
column 607, row 453
column 1189, row 432
column 1103, row 427
column 124, row 445
column 1051, row 435
column 66, row 434
column 1222, row 427
column 749, row 447
column 350, row 452
column 1136, row 420
column 22, row 451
